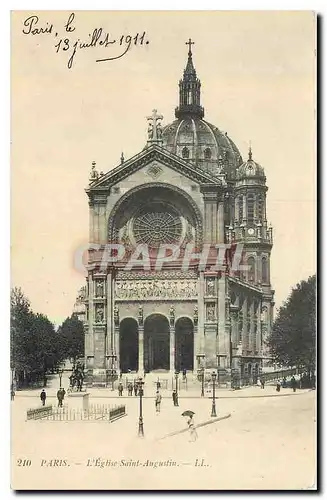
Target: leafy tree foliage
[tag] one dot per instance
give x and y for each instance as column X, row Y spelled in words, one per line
column 35, row 346
column 293, row 338
column 72, row 337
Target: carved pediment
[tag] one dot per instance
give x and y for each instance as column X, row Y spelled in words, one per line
column 152, row 156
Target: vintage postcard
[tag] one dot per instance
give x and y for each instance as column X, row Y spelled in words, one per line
column 163, row 288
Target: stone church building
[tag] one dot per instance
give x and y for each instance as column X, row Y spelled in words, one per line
column 187, row 188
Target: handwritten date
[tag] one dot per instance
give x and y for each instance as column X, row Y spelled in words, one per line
column 98, row 38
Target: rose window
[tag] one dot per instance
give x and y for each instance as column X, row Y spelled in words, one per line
column 156, row 227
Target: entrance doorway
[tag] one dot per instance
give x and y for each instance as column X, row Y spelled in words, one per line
column 128, row 345
column 156, row 343
column 184, row 344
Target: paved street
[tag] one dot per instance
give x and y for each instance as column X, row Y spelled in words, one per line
column 268, row 442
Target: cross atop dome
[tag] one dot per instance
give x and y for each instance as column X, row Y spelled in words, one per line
column 189, row 43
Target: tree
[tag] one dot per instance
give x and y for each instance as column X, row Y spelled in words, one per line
column 35, row 345
column 293, row 338
column 71, row 333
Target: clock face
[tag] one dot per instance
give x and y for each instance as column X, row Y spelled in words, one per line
column 251, row 231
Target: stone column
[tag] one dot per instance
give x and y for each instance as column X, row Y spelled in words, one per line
column 201, row 316
column 172, row 348
column 109, row 332
column 141, row 351
column 234, row 330
column 245, row 215
column 220, row 234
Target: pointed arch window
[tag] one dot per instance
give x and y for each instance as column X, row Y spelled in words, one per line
column 264, row 271
column 251, row 270
column 185, row 152
column 250, row 208
column 260, row 204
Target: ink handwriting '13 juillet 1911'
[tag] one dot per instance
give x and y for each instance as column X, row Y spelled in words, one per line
column 70, row 43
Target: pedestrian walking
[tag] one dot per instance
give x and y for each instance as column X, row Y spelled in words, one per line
column 284, row 383
column 43, row 397
column 262, row 382
column 158, row 402
column 293, row 383
column 130, row 389
column 278, row 386
column 175, row 398
column 158, row 384
column 192, row 429
column 120, row 389
column 60, row 396
column 135, row 388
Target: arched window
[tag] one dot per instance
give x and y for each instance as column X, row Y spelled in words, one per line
column 251, row 270
column 240, row 208
column 207, row 153
column 260, row 209
column 185, row 152
column 250, row 208
column 264, row 272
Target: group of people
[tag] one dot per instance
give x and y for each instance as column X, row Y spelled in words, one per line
column 279, row 384
column 60, row 396
column 132, row 387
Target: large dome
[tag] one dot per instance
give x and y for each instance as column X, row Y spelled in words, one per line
column 203, row 144
column 194, row 139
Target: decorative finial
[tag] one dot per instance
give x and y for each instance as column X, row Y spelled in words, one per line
column 122, row 159
column 189, row 43
column 154, row 128
column 250, row 151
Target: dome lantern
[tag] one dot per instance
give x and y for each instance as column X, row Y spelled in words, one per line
column 189, row 91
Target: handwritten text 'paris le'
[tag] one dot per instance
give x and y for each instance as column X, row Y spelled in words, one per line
column 98, row 38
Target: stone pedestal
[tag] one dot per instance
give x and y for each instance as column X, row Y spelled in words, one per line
column 79, row 400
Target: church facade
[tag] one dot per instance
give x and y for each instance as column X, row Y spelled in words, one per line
column 179, row 258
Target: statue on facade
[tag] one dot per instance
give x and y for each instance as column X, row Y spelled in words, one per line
column 99, row 289
column 99, row 315
column 196, row 315
column 211, row 313
column 116, row 315
column 172, row 315
column 211, row 287
column 140, row 315
column 94, row 175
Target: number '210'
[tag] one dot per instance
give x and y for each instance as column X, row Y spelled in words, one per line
column 24, row 462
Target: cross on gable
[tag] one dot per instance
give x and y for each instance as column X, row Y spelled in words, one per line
column 154, row 129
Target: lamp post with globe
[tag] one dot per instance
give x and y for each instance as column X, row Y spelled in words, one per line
column 213, row 409
column 140, row 387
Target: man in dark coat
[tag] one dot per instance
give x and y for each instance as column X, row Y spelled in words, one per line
column 120, row 389
column 130, row 389
column 293, row 383
column 43, row 397
column 60, row 395
column 135, row 388
column 175, row 398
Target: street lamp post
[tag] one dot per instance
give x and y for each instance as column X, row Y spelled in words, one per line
column 141, row 430
column 202, row 382
column 176, row 386
column 60, row 372
column 213, row 409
